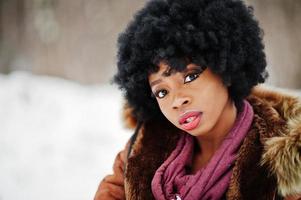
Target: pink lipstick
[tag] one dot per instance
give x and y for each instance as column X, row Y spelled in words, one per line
column 190, row 120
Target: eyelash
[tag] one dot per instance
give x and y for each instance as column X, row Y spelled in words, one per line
column 196, row 75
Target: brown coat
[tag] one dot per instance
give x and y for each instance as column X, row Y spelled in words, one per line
column 268, row 165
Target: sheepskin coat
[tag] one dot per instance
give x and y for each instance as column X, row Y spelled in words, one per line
column 268, row 164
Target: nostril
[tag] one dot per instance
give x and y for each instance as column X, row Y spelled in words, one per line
column 179, row 103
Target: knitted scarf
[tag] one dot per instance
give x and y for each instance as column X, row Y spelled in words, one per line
column 172, row 179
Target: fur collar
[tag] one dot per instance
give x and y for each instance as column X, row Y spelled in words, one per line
column 278, row 120
column 282, row 154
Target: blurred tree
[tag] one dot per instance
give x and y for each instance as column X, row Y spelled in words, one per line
column 281, row 21
column 77, row 39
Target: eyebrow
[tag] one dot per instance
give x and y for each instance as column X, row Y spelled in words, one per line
column 168, row 72
column 155, row 82
column 165, row 73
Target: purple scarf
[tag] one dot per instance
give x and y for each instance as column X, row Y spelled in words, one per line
column 172, row 181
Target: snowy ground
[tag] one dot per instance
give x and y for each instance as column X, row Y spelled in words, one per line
column 57, row 138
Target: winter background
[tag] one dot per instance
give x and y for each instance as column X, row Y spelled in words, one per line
column 58, row 138
column 60, row 118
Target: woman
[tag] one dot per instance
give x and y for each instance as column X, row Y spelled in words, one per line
column 188, row 70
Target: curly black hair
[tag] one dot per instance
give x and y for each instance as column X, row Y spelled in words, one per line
column 220, row 34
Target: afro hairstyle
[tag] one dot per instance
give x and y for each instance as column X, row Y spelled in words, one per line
column 220, row 34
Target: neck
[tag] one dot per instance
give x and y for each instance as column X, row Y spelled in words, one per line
column 210, row 142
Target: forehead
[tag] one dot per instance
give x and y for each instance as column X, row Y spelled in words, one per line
column 163, row 68
column 155, row 77
column 166, row 70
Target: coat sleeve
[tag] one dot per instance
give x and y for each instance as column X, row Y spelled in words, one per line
column 112, row 186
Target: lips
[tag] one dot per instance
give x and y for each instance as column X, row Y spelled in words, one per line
column 190, row 120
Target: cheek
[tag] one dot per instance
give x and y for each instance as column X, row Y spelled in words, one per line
column 163, row 108
column 215, row 103
column 166, row 111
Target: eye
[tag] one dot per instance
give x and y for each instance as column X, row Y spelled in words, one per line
column 161, row 93
column 191, row 77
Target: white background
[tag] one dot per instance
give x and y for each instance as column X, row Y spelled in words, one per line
column 57, row 138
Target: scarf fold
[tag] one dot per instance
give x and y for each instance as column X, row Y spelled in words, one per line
column 172, row 179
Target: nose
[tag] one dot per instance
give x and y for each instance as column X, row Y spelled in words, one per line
column 180, row 101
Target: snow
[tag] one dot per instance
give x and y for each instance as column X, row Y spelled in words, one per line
column 58, row 138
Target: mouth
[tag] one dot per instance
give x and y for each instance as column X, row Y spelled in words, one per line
column 190, row 120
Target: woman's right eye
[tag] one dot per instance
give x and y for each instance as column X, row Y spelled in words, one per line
column 161, row 93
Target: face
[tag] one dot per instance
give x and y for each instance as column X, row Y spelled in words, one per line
column 193, row 100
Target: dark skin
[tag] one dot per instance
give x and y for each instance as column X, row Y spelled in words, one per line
column 196, row 89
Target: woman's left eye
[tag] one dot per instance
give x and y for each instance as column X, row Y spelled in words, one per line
column 191, row 77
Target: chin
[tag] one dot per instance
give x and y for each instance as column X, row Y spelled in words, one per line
column 194, row 133
column 198, row 131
